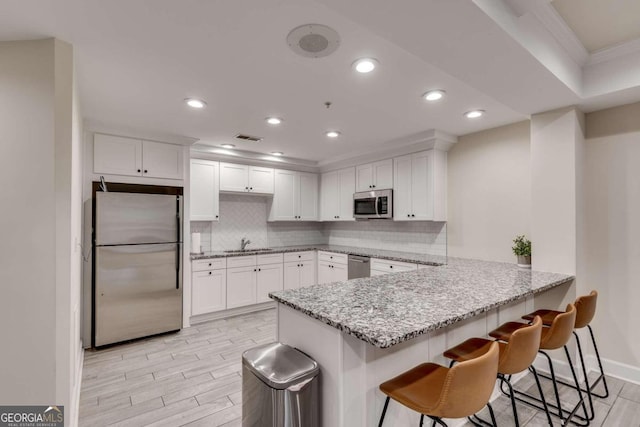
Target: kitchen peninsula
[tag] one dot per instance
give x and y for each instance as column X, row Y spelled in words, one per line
column 365, row 331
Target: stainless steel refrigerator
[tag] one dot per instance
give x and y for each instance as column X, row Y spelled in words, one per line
column 137, row 266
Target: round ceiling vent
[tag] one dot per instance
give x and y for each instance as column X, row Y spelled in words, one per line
column 313, row 40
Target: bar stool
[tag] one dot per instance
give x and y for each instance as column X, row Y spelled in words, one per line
column 440, row 392
column 586, row 310
column 516, row 356
column 554, row 337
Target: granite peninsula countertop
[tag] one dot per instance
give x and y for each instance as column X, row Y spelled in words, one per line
column 350, row 250
column 389, row 309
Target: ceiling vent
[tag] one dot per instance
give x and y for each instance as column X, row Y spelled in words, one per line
column 248, row 137
column 313, row 40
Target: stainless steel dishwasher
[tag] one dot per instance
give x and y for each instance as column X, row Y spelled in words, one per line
column 359, row 266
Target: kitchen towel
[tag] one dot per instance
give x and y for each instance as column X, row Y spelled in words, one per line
column 195, row 243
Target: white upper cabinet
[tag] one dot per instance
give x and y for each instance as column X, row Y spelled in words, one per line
column 336, row 197
column 116, row 155
column 246, row 179
column 234, row 177
column 161, row 160
column 419, row 192
column 295, row 196
column 375, row 176
column 204, row 194
column 308, row 199
column 285, row 196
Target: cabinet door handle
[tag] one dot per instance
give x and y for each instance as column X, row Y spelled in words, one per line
column 259, row 269
column 373, row 186
column 298, row 265
column 408, row 215
column 139, row 171
column 250, row 188
column 255, row 269
column 217, row 216
column 412, row 215
column 209, row 273
column 391, row 266
column 209, row 264
column 146, row 171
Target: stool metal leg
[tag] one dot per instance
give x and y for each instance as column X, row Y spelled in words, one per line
column 565, row 415
column 544, row 401
column 601, row 377
column 578, row 388
column 384, row 411
column 512, row 396
column 437, row 420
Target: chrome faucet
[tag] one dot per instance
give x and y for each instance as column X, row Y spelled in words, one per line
column 244, row 242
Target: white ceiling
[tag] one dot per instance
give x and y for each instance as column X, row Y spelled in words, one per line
column 600, row 24
column 138, row 59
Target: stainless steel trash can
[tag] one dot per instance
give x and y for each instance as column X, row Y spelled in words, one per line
column 279, row 387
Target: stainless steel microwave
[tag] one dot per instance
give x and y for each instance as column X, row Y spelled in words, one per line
column 373, row 204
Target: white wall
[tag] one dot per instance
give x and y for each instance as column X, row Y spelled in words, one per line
column 39, row 270
column 489, row 192
column 613, row 233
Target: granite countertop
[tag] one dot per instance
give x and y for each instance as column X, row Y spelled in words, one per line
column 374, row 253
column 386, row 310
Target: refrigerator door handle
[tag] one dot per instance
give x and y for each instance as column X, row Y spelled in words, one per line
column 178, row 266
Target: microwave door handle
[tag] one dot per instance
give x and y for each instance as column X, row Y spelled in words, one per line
column 377, row 201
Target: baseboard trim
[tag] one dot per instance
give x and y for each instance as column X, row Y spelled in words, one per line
column 231, row 312
column 611, row 368
column 615, row 369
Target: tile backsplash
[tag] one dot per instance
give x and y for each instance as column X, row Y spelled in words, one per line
column 246, row 216
column 420, row 236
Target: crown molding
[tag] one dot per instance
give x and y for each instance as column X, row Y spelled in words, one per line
column 96, row 126
column 398, row 147
column 611, row 53
column 207, row 152
column 556, row 25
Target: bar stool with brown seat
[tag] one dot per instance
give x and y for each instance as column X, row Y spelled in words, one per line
column 586, row 310
column 516, row 355
column 554, row 337
column 440, row 392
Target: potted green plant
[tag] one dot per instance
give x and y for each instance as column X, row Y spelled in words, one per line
column 522, row 249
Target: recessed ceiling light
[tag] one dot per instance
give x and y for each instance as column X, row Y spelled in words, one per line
column 333, row 134
column 365, row 65
column 474, row 114
column 195, row 103
column 227, row 146
column 273, row 120
column 277, row 153
column 434, row 95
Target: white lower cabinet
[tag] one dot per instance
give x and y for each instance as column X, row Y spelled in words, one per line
column 269, row 278
column 332, row 267
column 383, row 266
column 209, row 285
column 209, row 291
column 299, row 269
column 241, row 286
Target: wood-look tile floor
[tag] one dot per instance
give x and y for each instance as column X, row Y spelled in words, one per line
column 620, row 409
column 192, row 378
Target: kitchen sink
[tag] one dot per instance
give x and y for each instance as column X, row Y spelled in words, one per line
column 237, row 251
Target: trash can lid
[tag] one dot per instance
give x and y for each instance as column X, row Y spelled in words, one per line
column 279, row 365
